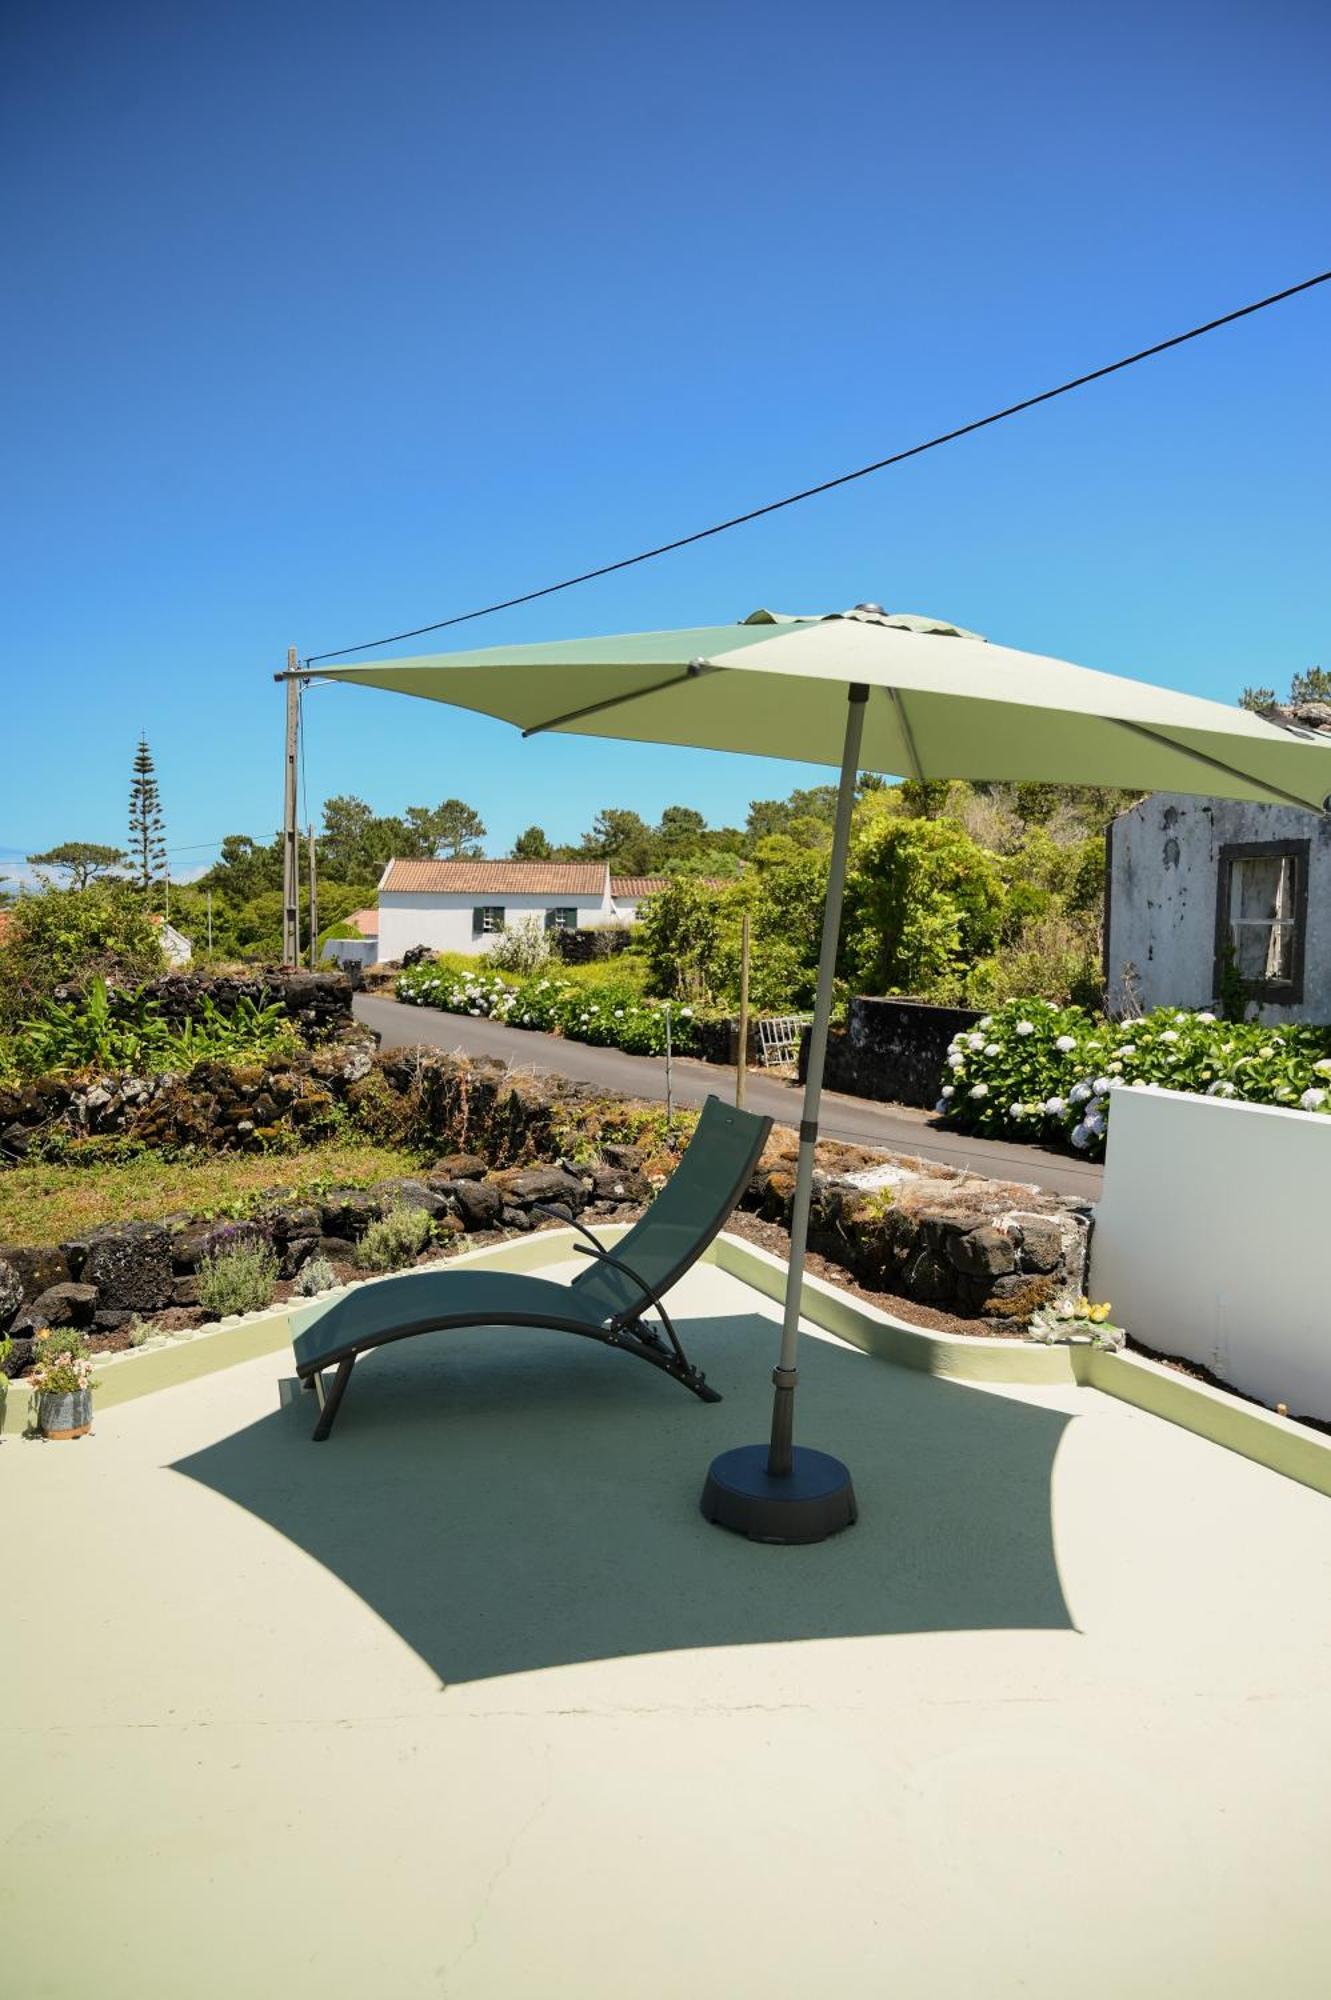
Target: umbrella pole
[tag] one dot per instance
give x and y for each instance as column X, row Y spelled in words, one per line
column 779, row 1493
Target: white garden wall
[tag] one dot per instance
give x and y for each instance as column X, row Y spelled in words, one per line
column 1211, row 1240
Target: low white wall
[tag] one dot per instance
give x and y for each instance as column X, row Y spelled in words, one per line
column 1211, row 1237
column 352, row 951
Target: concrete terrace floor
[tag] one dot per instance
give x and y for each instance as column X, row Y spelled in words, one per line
column 471, row 1701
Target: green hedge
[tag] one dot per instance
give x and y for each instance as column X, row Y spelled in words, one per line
column 1042, row 1073
column 608, row 1012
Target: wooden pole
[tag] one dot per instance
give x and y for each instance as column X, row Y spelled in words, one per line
column 290, row 850
column 314, row 898
column 742, row 1053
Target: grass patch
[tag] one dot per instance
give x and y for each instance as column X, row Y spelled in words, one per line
column 48, row 1202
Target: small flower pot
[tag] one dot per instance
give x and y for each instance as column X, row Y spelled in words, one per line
column 60, row 1416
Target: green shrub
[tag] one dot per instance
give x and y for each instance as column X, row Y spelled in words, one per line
column 108, row 1029
column 316, row 1275
column 1034, row 1071
column 522, row 948
column 397, row 1239
column 237, row 1272
column 55, row 936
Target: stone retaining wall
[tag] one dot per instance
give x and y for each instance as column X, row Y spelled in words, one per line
column 891, row 1050
column 501, row 1143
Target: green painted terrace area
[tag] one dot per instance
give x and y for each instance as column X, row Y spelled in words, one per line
column 472, row 1701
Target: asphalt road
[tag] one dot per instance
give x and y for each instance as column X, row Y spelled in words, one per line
column 858, row 1120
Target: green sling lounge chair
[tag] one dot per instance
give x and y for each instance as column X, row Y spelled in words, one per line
column 606, row 1303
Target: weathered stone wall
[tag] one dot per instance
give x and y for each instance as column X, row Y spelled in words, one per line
column 318, row 1003
column 892, row 1050
column 973, row 1248
column 500, row 1143
column 582, row 947
column 101, row 1281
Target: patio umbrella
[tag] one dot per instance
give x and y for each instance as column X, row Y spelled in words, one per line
column 896, row 693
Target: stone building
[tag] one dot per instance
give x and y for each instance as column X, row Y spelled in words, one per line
column 1192, row 883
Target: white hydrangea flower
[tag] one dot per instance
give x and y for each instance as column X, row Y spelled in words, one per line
column 1220, row 1089
column 956, row 1062
column 976, row 1041
column 1094, row 1122
column 1103, row 1085
column 1127, row 1048
column 1081, row 1138
column 986, row 1021
column 1079, row 1093
column 1016, row 1111
column 1323, row 1068
column 1025, row 1027
column 1055, row 1106
column 979, row 1090
column 1204, row 1016
column 1066, row 1043
column 992, row 1049
column 949, row 1090
column 1169, row 1035
column 1313, row 1100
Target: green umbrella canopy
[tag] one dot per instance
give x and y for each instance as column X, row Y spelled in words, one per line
column 943, row 703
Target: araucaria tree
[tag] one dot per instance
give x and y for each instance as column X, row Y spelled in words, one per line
column 147, row 834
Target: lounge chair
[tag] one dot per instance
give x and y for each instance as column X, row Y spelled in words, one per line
column 606, row 1303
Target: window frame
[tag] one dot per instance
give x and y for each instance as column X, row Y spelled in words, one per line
column 1278, row 992
column 556, row 911
column 480, row 912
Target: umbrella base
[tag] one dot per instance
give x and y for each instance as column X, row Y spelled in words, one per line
column 814, row 1500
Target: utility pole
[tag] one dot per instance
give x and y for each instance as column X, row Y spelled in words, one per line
column 314, row 898
column 290, row 850
column 742, row 1052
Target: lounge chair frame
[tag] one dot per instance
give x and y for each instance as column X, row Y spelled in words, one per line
column 626, row 1328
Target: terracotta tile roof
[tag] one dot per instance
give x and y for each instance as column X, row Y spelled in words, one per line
column 494, row 878
column 365, row 921
column 631, row 887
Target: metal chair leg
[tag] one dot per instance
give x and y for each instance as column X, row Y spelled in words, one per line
column 331, row 1399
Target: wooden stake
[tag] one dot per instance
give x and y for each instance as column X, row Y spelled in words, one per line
column 742, row 1053
column 290, row 850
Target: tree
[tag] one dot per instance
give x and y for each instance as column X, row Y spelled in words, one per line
column 1313, row 684
column 147, row 837
column 84, row 860
column 452, row 828
column 532, row 845
column 623, row 840
column 923, row 902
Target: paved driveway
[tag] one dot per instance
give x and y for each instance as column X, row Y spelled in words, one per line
column 895, row 1127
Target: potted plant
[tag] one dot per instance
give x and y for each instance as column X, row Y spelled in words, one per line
column 62, row 1386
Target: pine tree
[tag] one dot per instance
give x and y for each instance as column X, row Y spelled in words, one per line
column 147, row 836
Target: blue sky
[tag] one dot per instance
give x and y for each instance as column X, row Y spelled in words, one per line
column 332, row 319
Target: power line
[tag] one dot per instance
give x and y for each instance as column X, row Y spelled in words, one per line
column 843, row 479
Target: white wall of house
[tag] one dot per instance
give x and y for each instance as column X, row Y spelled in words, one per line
column 1210, row 1239
column 444, row 922
column 1164, row 879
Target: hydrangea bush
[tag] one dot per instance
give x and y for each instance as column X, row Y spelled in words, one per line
column 1031, row 1070
column 609, row 1014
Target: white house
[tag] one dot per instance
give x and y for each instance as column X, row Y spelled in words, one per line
column 629, row 892
column 1194, row 885
column 462, row 906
